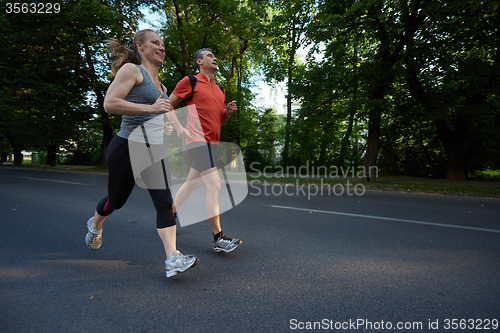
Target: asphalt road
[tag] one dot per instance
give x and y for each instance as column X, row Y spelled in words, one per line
column 376, row 262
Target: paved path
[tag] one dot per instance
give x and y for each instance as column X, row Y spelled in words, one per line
column 356, row 262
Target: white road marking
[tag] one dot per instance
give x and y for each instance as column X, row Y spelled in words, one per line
column 57, row 181
column 388, row 219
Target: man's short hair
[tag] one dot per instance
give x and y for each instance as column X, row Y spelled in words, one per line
column 199, row 55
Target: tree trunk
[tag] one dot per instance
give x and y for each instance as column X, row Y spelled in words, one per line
column 324, row 144
column 454, row 143
column 52, row 155
column 18, row 151
column 385, row 78
column 107, row 131
column 18, row 156
column 345, row 139
column 352, row 113
column 107, row 135
column 293, row 50
column 184, row 45
column 373, row 144
column 455, row 169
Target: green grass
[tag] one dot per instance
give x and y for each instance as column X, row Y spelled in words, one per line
column 437, row 188
column 59, row 167
column 490, row 174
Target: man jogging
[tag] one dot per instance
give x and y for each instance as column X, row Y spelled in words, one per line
column 202, row 140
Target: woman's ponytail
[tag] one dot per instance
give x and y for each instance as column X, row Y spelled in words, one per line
column 121, row 54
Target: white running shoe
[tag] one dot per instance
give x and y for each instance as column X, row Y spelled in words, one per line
column 93, row 241
column 179, row 263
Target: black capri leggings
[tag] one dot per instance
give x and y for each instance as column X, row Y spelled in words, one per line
column 121, row 181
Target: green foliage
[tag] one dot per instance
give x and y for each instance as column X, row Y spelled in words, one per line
column 41, row 93
column 238, row 48
column 84, row 150
column 368, row 65
column 57, row 72
column 264, row 144
column 413, row 85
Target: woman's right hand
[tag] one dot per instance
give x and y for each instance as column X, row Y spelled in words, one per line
column 183, row 133
column 161, row 105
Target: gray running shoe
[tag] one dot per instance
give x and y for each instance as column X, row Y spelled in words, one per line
column 93, row 241
column 226, row 244
column 179, row 263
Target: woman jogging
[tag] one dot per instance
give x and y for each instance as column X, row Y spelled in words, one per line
column 137, row 94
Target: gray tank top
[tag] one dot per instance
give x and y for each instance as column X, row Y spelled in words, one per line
column 144, row 93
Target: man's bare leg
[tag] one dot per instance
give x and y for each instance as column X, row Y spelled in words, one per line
column 192, row 181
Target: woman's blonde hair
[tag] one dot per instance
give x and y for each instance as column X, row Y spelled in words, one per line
column 122, row 54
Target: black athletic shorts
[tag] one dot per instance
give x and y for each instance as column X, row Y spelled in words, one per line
column 203, row 155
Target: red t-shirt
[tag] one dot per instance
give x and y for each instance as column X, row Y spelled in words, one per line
column 210, row 103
